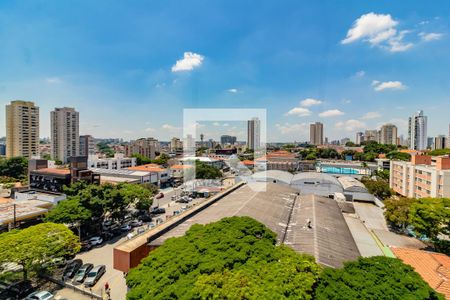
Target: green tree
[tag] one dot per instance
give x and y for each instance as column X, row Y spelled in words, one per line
column 234, row 258
column 205, row 171
column 399, row 155
column 431, row 216
column 397, row 210
column 37, row 245
column 374, row 278
column 439, row 152
column 141, row 159
column 378, row 187
column 350, row 144
column 71, row 212
column 14, row 167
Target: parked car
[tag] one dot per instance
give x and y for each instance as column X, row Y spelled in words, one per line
column 40, row 295
column 150, row 225
column 72, row 268
column 136, row 223
column 96, row 240
column 159, row 195
column 18, row 290
column 86, row 246
column 82, row 273
column 140, row 230
column 145, row 218
column 94, row 275
column 158, row 210
column 125, row 227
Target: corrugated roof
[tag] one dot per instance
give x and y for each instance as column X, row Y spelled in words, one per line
column 328, row 237
column 272, row 175
column 350, row 183
column 309, row 176
column 53, row 171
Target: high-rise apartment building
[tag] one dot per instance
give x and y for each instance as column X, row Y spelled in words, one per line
column 254, row 134
column 417, row 131
column 316, row 133
column 227, row 139
column 175, row 144
column 372, row 135
column 440, row 142
column 87, row 145
column 22, row 129
column 65, row 137
column 388, row 134
column 359, row 138
column 147, row 147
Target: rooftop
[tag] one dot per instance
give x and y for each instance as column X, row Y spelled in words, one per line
column 23, row 212
column 433, row 267
column 53, row 171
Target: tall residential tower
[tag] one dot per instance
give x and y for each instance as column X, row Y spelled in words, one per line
column 254, row 134
column 417, row 131
column 316, row 133
column 65, row 138
column 22, row 129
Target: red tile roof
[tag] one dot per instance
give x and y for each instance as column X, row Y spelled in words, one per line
column 433, row 267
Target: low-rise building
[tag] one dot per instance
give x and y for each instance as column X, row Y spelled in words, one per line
column 424, row 176
column 119, row 161
column 42, row 177
column 163, row 175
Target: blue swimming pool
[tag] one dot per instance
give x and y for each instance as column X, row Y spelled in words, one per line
column 339, row 170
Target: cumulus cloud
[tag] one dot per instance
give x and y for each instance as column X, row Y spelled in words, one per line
column 350, row 125
column 378, row 30
column 298, row 129
column 310, row 102
column 189, row 62
column 150, row 129
column 431, row 36
column 232, row 90
column 331, row 113
column 387, row 85
column 371, row 115
column 216, row 124
column 299, row 111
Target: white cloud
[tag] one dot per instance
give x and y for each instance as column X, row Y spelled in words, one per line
column 432, row 36
column 53, row 80
column 351, row 125
column 298, row 129
column 150, row 129
column 378, row 30
column 225, row 125
column 189, row 62
column 387, row 85
column 216, row 124
column 360, row 74
column 310, row 102
column 232, row 91
column 331, row 113
column 371, row 115
column 299, row 111
column 346, row 101
column 169, row 127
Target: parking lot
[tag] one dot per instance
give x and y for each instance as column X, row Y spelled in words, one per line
column 103, row 254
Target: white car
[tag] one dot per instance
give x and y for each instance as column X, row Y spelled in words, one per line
column 42, row 295
column 96, row 240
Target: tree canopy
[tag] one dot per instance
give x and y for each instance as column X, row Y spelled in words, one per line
column 396, row 211
column 36, row 245
column 14, row 167
column 431, row 216
column 374, row 278
column 234, row 258
column 378, row 187
column 399, row 155
column 439, row 152
column 205, row 171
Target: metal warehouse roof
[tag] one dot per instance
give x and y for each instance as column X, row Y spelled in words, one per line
column 313, row 176
column 352, row 184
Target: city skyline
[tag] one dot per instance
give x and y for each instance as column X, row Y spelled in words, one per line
column 356, row 71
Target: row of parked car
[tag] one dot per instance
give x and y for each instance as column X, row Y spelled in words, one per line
column 79, row 273
column 22, row 290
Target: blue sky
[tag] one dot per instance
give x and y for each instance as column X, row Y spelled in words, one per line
column 352, row 66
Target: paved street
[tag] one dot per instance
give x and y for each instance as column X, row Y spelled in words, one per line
column 104, row 255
